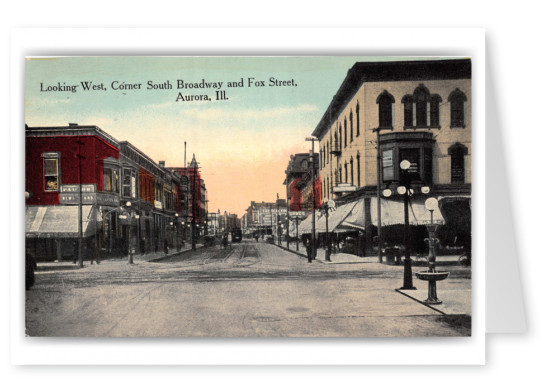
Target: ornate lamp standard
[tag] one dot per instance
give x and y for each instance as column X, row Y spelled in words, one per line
column 406, row 191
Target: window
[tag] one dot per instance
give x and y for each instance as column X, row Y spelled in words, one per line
column 128, row 183
column 457, row 153
column 340, row 138
column 421, row 97
column 388, row 165
column 345, row 138
column 345, row 172
column 357, row 120
column 457, row 101
column 385, row 102
column 408, row 111
column 110, row 180
column 352, row 170
column 351, row 127
column 435, row 101
column 358, row 162
column 51, row 171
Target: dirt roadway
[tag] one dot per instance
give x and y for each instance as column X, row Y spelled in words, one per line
column 249, row 290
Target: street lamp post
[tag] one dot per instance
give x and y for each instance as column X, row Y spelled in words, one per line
column 406, row 191
column 314, row 244
column 177, row 232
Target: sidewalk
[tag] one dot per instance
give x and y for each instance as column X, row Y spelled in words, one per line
column 343, row 258
column 137, row 258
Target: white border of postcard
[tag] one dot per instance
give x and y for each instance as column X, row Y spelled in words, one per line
column 253, row 351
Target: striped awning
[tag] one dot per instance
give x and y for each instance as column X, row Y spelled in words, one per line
column 58, row 221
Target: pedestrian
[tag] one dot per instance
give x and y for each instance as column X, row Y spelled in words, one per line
column 309, row 250
column 225, row 241
column 166, row 246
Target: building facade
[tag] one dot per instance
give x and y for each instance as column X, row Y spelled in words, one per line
column 128, row 202
column 419, row 111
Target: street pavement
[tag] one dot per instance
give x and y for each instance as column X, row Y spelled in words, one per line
column 249, row 289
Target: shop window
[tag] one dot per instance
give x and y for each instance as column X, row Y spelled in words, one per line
column 457, row 101
column 457, row 153
column 51, row 171
column 386, row 112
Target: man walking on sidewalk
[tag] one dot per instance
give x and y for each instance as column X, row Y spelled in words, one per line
column 309, row 250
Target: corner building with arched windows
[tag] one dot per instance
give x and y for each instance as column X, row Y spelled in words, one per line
column 422, row 112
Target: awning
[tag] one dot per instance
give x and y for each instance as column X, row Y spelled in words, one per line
column 58, row 221
column 351, row 212
column 356, row 219
column 392, row 212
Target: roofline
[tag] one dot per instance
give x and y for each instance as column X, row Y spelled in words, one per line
column 362, row 72
column 37, row 130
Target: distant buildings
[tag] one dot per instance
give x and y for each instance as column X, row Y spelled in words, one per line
column 117, row 180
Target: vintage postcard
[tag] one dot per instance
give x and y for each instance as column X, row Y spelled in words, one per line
column 248, row 196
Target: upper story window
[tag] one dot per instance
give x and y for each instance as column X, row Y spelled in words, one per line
column 351, row 127
column 421, row 110
column 345, row 137
column 358, row 162
column 51, row 171
column 111, row 181
column 386, row 112
column 352, row 170
column 357, row 120
column 457, row 101
column 340, row 138
column 421, row 97
column 128, row 183
column 457, row 153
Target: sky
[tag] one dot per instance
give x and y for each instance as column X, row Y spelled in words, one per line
column 243, row 143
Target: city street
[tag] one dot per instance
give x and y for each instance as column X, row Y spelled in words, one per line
column 248, row 289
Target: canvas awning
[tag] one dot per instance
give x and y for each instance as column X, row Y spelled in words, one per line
column 58, row 221
column 392, row 212
column 352, row 213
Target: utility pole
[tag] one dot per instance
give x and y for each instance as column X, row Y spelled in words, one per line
column 379, row 168
column 314, row 244
column 79, row 157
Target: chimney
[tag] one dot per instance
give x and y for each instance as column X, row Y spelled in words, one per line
column 162, row 163
column 73, row 124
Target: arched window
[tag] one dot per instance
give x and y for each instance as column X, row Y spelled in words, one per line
column 457, row 101
column 358, row 162
column 407, row 100
column 345, row 172
column 457, row 152
column 340, row 138
column 351, row 127
column 357, row 120
column 435, row 101
column 385, row 102
column 352, row 170
column 421, row 97
column 336, row 139
column 345, row 137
